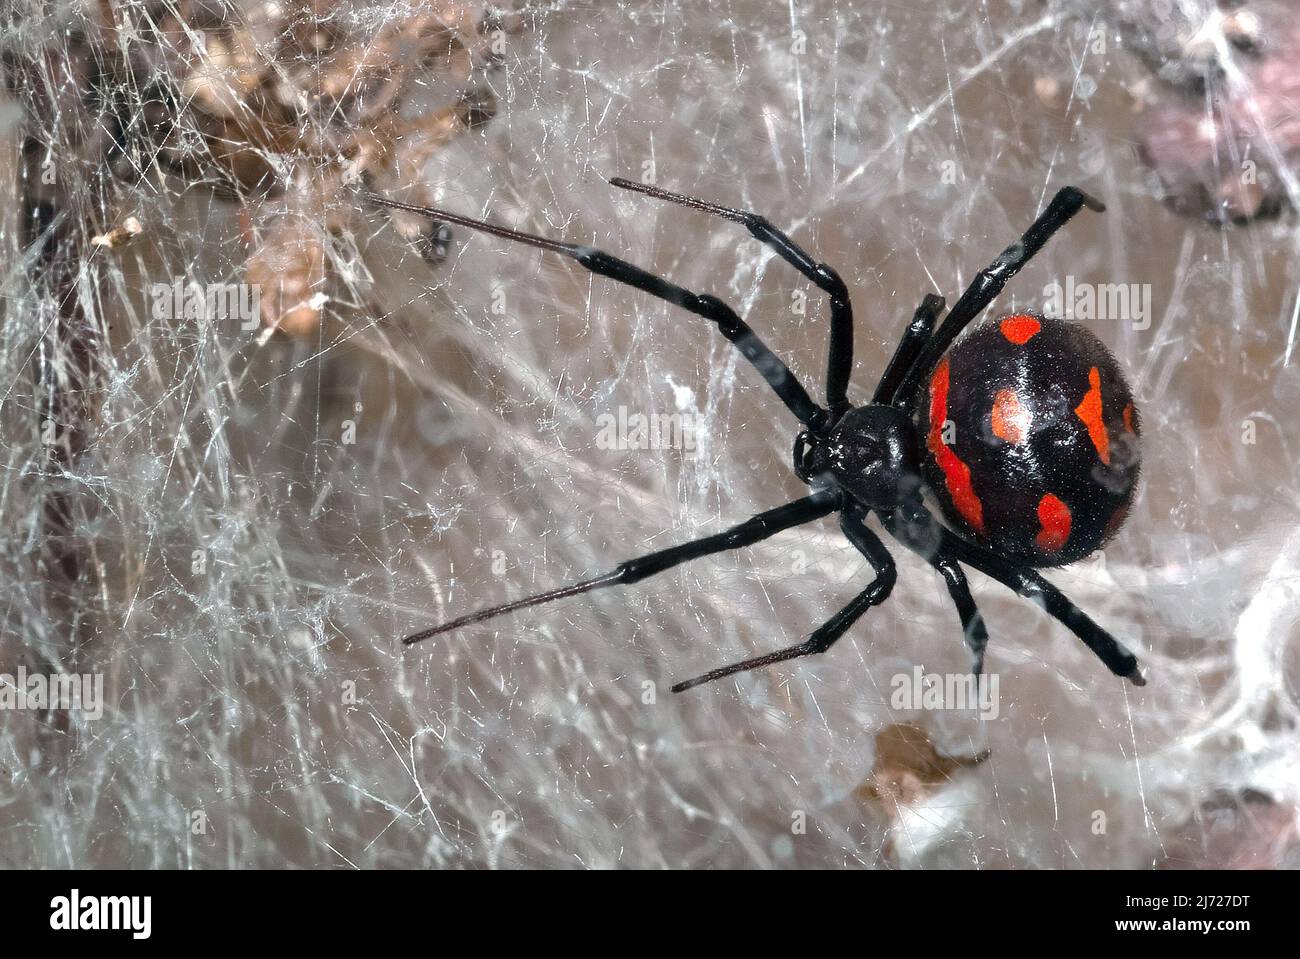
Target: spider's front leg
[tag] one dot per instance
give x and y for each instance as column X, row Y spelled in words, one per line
column 869, row 544
column 778, row 376
column 839, row 362
column 753, row 530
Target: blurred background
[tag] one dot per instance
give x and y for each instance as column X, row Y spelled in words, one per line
column 234, row 517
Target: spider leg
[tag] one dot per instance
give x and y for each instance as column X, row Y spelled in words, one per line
column 753, row 530
column 1030, row 584
column 989, row 282
column 974, row 630
column 909, row 347
column 777, row 374
column 869, row 544
column 839, row 363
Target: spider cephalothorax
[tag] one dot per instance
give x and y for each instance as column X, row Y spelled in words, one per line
column 870, row 452
column 1024, row 431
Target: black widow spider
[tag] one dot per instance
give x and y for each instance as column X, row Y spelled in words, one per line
column 1004, row 439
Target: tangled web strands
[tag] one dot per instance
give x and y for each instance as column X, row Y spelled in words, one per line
column 233, row 528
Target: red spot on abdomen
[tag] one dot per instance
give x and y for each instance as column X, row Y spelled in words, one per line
column 1090, row 412
column 1020, row 329
column 1054, row 518
column 956, row 473
column 1128, row 418
column 1010, row 419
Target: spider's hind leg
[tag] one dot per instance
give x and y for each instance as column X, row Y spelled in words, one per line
column 930, row 549
column 974, row 630
column 1030, row 584
column 909, row 347
column 988, row 283
column 869, row 544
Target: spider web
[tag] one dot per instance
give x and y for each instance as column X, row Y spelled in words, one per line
column 244, row 524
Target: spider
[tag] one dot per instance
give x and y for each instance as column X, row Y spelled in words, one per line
column 1024, row 431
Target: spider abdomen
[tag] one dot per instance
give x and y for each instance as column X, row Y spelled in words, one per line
column 1029, row 439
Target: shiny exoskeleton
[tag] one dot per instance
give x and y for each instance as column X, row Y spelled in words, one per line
column 1024, row 431
column 1030, row 439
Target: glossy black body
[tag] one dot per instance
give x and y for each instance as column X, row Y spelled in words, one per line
column 873, row 455
column 1013, row 417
